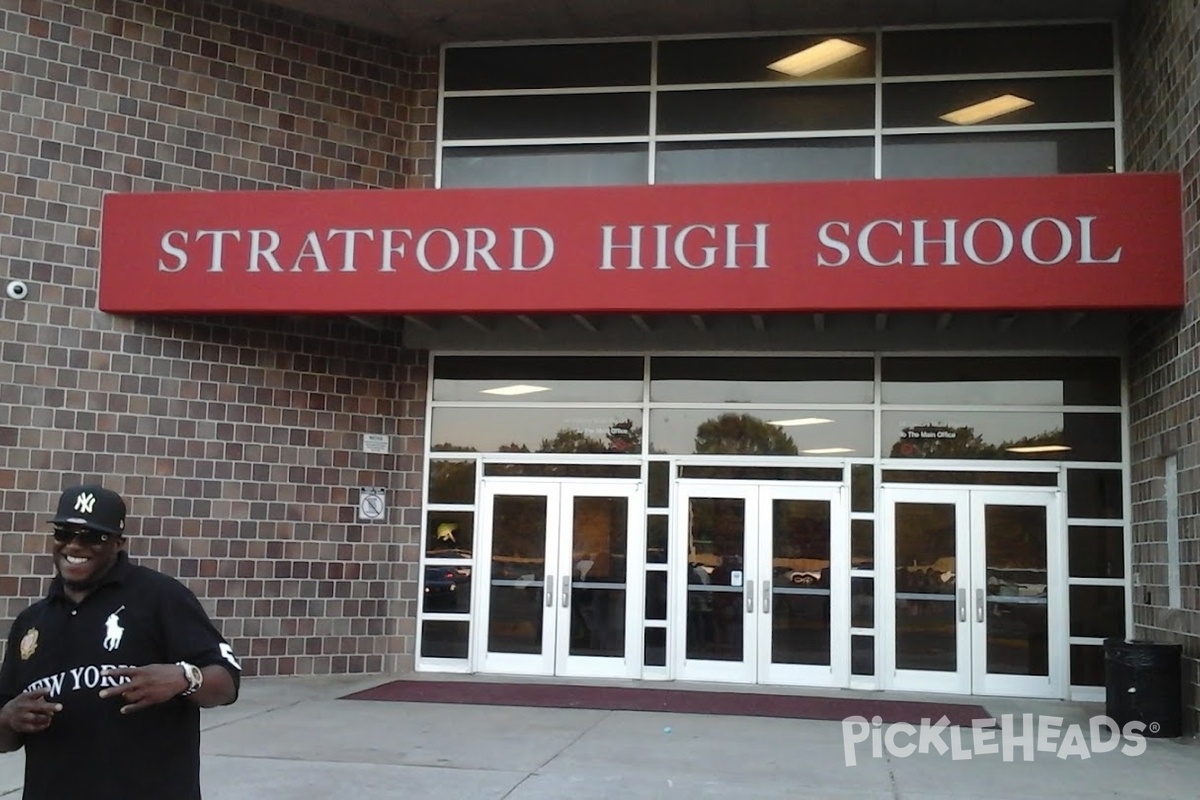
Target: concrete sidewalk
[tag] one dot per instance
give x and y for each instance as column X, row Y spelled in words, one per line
column 293, row 739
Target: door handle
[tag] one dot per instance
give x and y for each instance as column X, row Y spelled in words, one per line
column 962, row 605
column 979, row 605
column 749, row 597
column 566, row 591
column 766, row 598
column 549, row 591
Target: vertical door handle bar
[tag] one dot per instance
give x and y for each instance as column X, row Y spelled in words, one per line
column 749, row 597
column 962, row 605
column 549, row 591
column 979, row 605
column 566, row 590
column 766, row 598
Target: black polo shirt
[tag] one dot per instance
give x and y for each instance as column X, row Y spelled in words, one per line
column 91, row 751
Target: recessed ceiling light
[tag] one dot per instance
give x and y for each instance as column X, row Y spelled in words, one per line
column 824, row 451
column 1038, row 448
column 988, row 109
column 789, row 423
column 516, row 388
column 817, row 57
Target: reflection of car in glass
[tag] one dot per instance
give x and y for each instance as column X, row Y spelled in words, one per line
column 809, row 576
column 1016, row 582
column 450, row 552
column 802, row 577
column 441, row 586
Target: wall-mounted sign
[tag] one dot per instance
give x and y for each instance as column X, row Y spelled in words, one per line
column 927, row 432
column 375, row 443
column 1056, row 242
column 372, row 504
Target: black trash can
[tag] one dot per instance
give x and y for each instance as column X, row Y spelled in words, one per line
column 1143, row 683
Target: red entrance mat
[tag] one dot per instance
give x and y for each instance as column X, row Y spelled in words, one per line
column 686, row 701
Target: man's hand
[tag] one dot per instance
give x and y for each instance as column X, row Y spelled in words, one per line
column 29, row 712
column 147, row 686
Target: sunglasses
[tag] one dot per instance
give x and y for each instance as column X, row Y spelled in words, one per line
column 64, row 535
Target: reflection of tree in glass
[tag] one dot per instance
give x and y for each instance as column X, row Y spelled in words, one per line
column 519, row 531
column 622, row 437
column 451, row 481
column 743, row 433
column 946, row 441
column 715, row 528
column 625, row 437
column 568, row 440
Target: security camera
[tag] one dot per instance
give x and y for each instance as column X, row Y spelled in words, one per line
column 17, row 290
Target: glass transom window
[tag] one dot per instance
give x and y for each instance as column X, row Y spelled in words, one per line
column 996, row 100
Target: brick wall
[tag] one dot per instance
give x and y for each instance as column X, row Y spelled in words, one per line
column 1162, row 132
column 238, row 442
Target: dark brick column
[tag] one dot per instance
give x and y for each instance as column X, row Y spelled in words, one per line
column 238, row 442
column 1162, row 133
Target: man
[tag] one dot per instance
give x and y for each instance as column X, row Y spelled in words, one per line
column 104, row 678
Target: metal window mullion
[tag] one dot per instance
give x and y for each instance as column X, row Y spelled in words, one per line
column 439, row 141
column 878, row 132
column 983, row 129
column 652, row 145
column 839, row 133
column 1118, row 105
column 563, row 90
column 999, row 76
column 534, row 141
column 745, row 85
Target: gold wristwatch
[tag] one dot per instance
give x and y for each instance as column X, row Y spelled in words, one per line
column 195, row 677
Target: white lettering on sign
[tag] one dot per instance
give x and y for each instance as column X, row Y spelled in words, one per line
column 694, row 247
column 985, row 242
column 473, row 249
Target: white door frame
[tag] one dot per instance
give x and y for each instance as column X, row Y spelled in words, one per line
column 555, row 585
column 970, row 597
column 759, row 594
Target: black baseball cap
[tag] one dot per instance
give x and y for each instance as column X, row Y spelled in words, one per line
column 92, row 506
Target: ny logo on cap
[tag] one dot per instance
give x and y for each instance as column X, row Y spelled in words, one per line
column 85, row 503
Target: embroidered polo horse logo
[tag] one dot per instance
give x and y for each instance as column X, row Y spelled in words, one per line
column 113, row 630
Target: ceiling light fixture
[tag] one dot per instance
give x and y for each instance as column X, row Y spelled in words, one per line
column 817, row 57
column 825, row 451
column 988, row 109
column 515, row 389
column 1039, row 448
column 790, row 423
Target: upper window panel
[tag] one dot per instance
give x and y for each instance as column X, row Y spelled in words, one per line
column 538, row 379
column 963, row 104
column 545, row 165
column 768, row 58
column 546, row 116
column 765, row 379
column 1002, row 381
column 1001, row 49
column 547, row 66
column 761, row 431
column 1035, row 152
column 765, row 160
column 784, row 108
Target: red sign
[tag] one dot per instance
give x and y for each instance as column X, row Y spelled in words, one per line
column 1063, row 242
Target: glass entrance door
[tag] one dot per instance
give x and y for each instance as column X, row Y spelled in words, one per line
column 973, row 591
column 564, row 578
column 765, row 584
